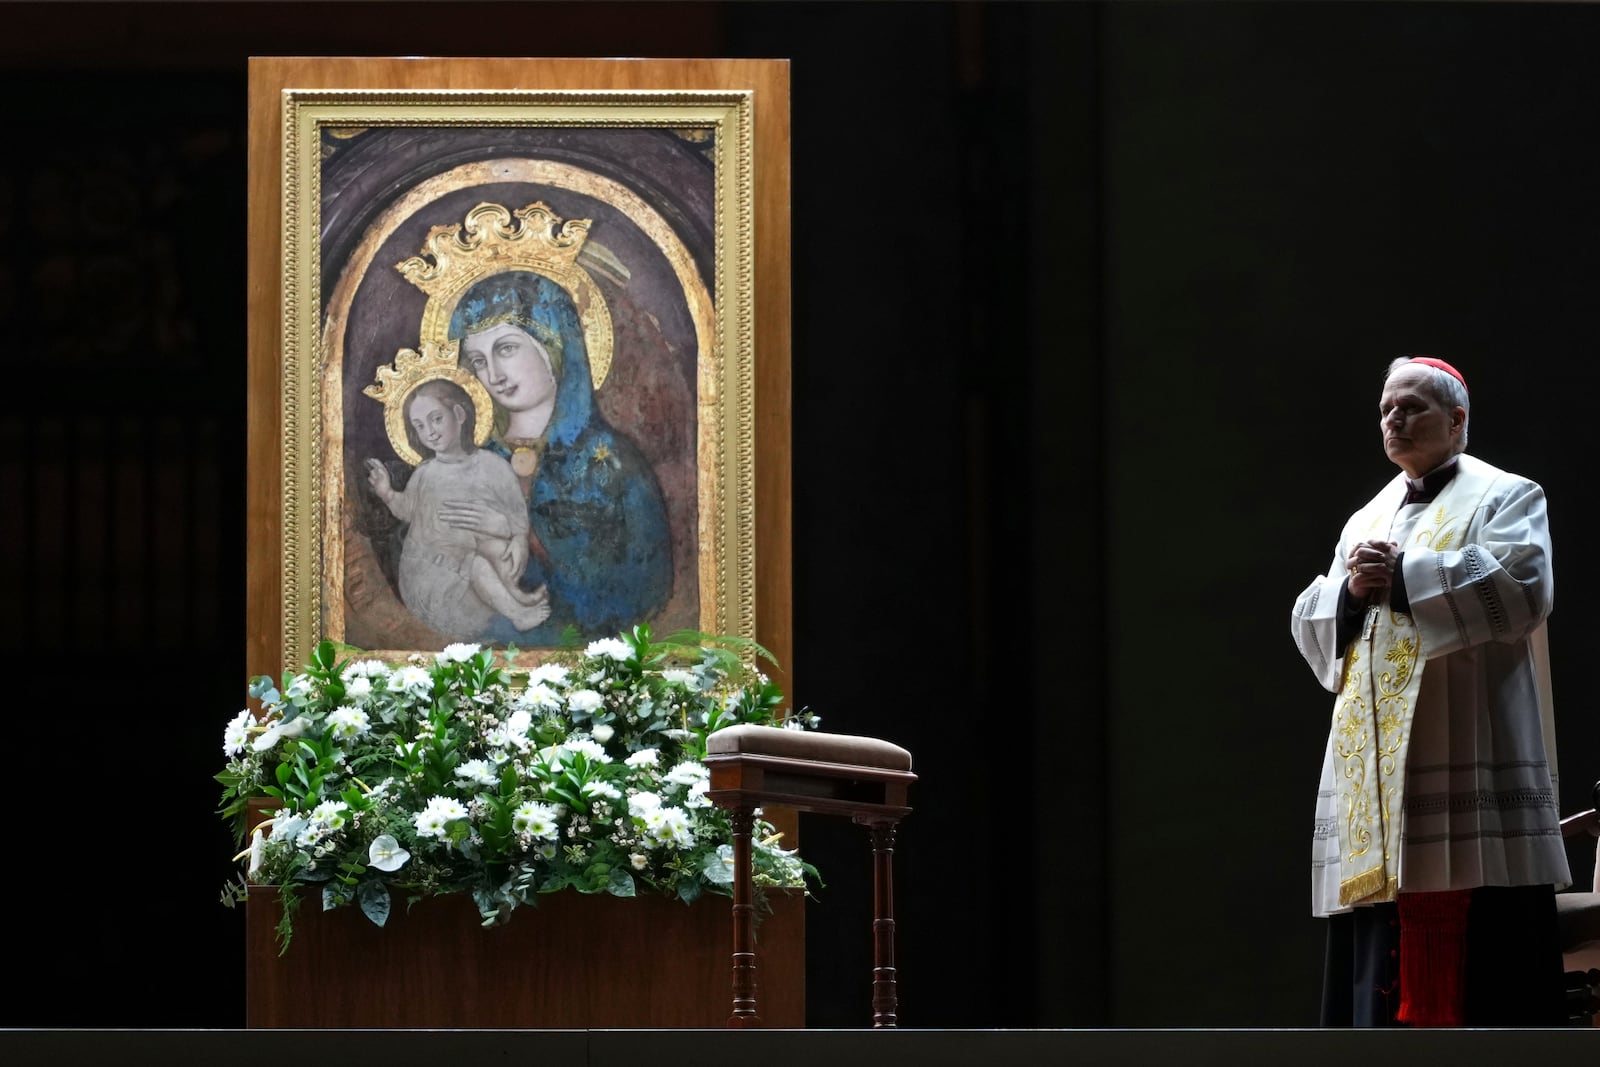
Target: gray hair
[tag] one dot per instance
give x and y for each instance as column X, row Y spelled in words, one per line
column 1446, row 390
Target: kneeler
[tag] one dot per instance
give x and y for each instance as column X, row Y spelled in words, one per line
column 831, row 774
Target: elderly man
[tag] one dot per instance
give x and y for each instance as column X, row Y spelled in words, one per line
column 1437, row 847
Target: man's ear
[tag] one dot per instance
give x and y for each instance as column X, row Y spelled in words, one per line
column 1458, row 419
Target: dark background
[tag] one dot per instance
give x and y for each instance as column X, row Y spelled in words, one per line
column 1091, row 305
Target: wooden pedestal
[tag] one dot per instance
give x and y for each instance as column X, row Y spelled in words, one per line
column 573, row 962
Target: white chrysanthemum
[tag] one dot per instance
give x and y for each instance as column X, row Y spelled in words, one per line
column 459, row 652
column 435, row 819
column 386, row 853
column 237, row 734
column 513, row 733
column 348, row 722
column 584, row 700
column 680, row 677
column 326, row 818
column 411, row 679
column 696, row 797
column 640, row 803
column 585, row 747
column 610, row 646
column 364, row 668
column 596, row 787
column 548, row 674
column 539, row 695
column 639, row 860
column 478, row 772
column 688, row 773
column 601, row 733
column 668, row 826
column 645, row 757
column 330, row 813
column 358, row 688
column 537, row 820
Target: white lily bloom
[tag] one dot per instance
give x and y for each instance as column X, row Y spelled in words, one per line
column 258, row 852
column 386, row 853
column 281, row 730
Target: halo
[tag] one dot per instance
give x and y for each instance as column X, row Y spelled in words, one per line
column 411, row 369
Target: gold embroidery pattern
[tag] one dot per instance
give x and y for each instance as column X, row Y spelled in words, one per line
column 1393, row 714
column 1349, row 746
column 1442, row 534
column 1371, row 724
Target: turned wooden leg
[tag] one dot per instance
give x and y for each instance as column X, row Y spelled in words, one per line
column 884, row 1001
column 744, row 917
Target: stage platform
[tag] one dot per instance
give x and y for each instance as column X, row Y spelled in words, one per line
column 794, row 1048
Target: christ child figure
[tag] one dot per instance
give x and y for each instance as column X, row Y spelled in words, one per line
column 466, row 541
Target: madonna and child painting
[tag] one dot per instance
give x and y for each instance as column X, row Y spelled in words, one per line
column 514, row 350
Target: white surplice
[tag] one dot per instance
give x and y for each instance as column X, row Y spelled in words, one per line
column 1481, row 799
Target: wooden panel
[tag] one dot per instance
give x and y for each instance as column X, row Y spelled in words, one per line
column 573, row 962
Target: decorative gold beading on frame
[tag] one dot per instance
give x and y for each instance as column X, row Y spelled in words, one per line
column 493, row 240
column 411, row 368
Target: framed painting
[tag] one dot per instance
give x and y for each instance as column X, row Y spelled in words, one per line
column 519, row 365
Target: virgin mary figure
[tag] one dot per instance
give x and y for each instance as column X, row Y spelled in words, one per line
column 598, row 536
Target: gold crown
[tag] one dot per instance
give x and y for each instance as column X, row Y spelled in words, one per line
column 411, row 368
column 493, row 239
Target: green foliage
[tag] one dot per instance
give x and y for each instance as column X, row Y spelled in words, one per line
column 469, row 774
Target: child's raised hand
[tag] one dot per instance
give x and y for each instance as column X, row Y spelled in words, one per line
column 378, row 478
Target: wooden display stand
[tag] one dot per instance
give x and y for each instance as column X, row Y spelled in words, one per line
column 573, row 962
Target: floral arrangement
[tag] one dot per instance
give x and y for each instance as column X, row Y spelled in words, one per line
column 462, row 773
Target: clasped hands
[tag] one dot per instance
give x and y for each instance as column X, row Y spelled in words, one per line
column 1371, row 566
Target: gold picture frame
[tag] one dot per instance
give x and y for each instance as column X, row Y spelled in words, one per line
column 628, row 193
